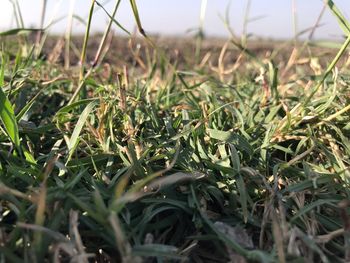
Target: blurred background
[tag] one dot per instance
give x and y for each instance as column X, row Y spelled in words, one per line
column 266, row 18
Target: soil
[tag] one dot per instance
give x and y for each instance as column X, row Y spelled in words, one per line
column 122, row 50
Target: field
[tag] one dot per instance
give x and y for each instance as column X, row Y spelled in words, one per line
column 154, row 149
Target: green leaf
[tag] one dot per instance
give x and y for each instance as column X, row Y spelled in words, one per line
column 113, row 19
column 231, row 137
column 18, row 31
column 79, row 126
column 343, row 23
column 236, row 164
column 137, row 17
column 7, row 114
column 74, row 105
column 156, row 250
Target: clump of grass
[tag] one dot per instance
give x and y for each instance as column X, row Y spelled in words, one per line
column 198, row 165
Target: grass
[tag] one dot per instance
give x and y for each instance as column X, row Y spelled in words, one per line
column 178, row 163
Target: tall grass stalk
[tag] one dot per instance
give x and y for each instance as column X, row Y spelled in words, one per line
column 329, row 69
column 200, row 33
column 137, row 17
column 99, row 51
column 20, row 24
column 295, row 22
column 83, row 55
column 86, row 39
column 245, row 23
column 50, row 23
column 106, row 33
column 17, row 13
column 317, row 23
column 68, row 35
column 41, row 25
column 344, row 24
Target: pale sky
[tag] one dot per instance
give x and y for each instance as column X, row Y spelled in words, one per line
column 176, row 17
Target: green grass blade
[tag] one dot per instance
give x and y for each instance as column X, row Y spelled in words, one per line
column 156, row 250
column 329, row 69
column 342, row 21
column 28, row 106
column 113, row 19
column 7, row 114
column 137, row 17
column 344, row 24
column 231, row 137
column 8, row 118
column 19, row 31
column 86, row 38
column 79, row 126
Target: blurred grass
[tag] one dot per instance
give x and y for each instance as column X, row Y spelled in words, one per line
column 168, row 160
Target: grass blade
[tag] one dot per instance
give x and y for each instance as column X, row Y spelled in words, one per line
column 79, row 126
column 7, row 114
column 19, row 31
column 343, row 23
column 137, row 17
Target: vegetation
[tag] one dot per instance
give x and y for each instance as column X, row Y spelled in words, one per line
column 162, row 161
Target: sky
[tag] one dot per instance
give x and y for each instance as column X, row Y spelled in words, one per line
column 268, row 18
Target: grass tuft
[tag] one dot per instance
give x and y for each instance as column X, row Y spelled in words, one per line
column 231, row 154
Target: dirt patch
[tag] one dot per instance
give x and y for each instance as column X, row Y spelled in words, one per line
column 123, row 50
